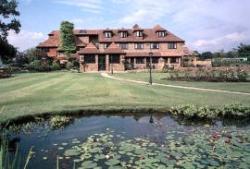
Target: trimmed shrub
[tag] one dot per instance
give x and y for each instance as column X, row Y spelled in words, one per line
column 55, row 66
column 69, row 65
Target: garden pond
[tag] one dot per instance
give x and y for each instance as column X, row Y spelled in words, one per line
column 131, row 141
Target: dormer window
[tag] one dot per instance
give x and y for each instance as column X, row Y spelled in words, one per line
column 139, row 33
column 123, row 34
column 161, row 34
column 108, row 34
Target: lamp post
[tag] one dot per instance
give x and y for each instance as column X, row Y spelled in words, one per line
column 150, row 68
column 111, row 60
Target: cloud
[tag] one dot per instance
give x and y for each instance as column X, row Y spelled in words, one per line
column 25, row 39
column 224, row 42
column 92, row 6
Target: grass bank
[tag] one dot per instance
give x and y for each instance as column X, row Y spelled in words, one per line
column 37, row 93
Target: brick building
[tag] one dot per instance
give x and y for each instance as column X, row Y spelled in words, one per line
column 121, row 49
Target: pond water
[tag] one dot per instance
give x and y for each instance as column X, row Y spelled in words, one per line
column 142, row 141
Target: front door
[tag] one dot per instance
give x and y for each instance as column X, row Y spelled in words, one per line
column 101, row 62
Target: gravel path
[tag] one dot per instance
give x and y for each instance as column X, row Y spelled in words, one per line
column 172, row 86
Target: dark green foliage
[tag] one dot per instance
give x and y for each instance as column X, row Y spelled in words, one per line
column 8, row 10
column 210, row 75
column 7, row 51
column 205, row 112
column 39, row 65
column 69, row 65
column 67, row 38
column 8, row 13
column 55, row 66
column 244, row 51
column 206, row 55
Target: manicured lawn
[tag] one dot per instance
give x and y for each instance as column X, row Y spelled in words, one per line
column 159, row 78
column 35, row 93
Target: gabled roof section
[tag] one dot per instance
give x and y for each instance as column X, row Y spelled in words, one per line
column 52, row 41
column 90, row 49
column 158, row 28
column 136, row 27
column 113, row 48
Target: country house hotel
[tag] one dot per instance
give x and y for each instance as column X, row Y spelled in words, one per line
column 122, row 49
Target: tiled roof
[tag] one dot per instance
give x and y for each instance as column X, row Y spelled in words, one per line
column 149, row 35
column 158, row 28
column 52, row 41
column 113, row 48
column 89, row 49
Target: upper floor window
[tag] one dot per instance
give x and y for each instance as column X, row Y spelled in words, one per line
column 123, row 34
column 123, row 45
column 139, row 46
column 161, row 34
column 139, row 33
column 108, row 34
column 154, row 46
column 172, row 45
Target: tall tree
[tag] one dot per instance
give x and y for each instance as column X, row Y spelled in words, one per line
column 206, row 55
column 67, row 40
column 8, row 21
column 244, row 51
column 8, row 11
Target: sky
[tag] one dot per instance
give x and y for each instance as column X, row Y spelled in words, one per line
column 205, row 25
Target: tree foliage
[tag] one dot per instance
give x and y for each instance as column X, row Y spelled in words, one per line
column 8, row 14
column 244, row 51
column 67, row 37
column 7, row 51
column 8, row 11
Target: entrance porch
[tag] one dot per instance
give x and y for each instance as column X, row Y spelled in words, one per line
column 101, row 62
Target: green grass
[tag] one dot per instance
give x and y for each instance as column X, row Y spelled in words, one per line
column 159, row 78
column 36, row 93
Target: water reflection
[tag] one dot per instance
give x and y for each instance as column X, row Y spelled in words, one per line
column 154, row 127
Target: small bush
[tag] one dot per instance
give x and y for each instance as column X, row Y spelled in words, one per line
column 38, row 65
column 69, row 65
column 59, row 121
column 55, row 66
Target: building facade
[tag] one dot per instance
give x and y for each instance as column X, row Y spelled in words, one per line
column 121, row 49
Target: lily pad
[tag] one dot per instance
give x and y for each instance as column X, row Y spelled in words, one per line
column 72, row 152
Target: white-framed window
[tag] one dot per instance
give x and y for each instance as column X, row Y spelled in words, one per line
column 139, row 46
column 154, row 45
column 172, row 45
column 123, row 34
column 123, row 45
column 139, row 33
column 161, row 34
column 107, row 34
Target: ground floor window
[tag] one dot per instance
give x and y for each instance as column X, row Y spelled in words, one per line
column 89, row 58
column 140, row 61
column 174, row 60
column 114, row 58
column 155, row 60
